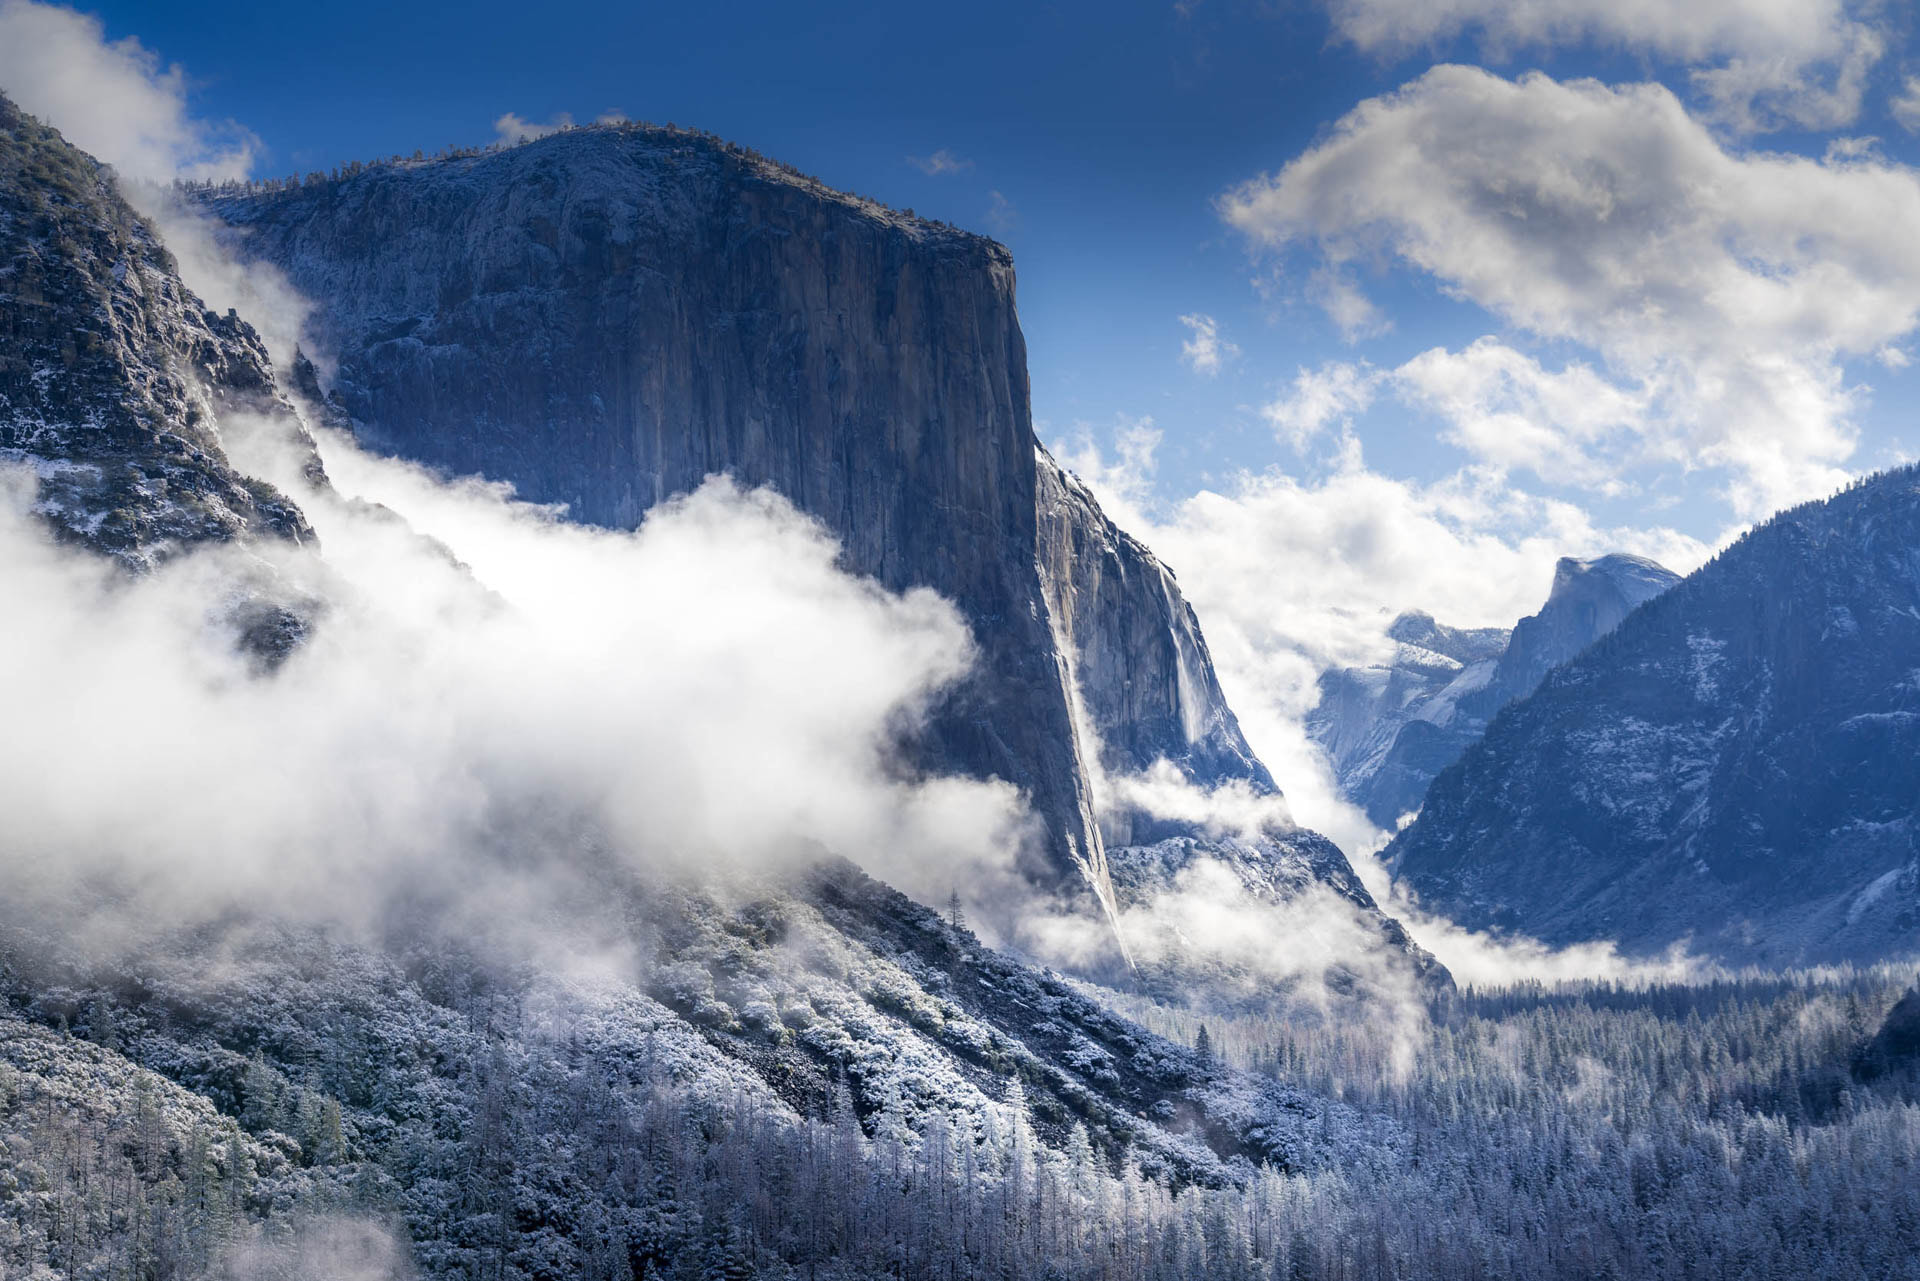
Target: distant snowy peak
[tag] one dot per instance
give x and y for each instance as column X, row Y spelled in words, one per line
column 1417, row 630
column 1391, row 728
column 1736, row 767
column 1589, row 599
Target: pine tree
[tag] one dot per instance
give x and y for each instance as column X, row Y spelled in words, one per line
column 956, row 915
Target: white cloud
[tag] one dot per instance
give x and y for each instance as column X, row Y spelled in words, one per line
column 1123, row 474
column 1001, row 215
column 118, row 103
column 511, row 128
column 1319, row 398
column 1725, row 290
column 1351, row 311
column 1569, row 427
column 1775, row 62
column 113, row 100
column 1206, row 351
column 1904, row 107
column 939, row 163
column 475, row 716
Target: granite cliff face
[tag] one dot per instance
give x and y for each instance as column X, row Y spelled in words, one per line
column 1141, row 673
column 1390, row 730
column 606, row 316
column 112, row 374
column 1589, row 599
column 278, row 1067
column 1736, row 767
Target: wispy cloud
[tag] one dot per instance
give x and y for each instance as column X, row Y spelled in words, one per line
column 113, row 99
column 1757, row 64
column 1318, row 399
column 940, row 162
column 512, row 128
column 1722, row 291
column 1207, row 350
column 1001, row 215
column 1905, row 105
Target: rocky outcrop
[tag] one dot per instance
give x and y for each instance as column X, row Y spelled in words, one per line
column 112, row 374
column 1389, row 730
column 606, row 316
column 1735, row 768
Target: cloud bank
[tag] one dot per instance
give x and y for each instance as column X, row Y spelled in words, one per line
column 113, row 99
column 1292, row 574
column 477, row 710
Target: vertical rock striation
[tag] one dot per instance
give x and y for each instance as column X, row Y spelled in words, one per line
column 608, row 316
column 1144, row 681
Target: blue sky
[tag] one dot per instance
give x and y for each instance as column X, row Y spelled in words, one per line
column 1107, row 132
column 1486, row 284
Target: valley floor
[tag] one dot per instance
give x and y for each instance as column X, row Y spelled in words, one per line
column 363, row 1121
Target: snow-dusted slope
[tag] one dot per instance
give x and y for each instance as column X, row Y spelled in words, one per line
column 499, row 1112
column 111, row 372
column 1736, row 767
column 1391, row 729
column 1364, row 713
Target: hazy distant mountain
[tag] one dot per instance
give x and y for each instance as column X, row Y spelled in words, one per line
column 1391, row 729
column 1736, row 767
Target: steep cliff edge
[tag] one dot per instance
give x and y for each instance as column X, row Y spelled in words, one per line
column 1736, row 767
column 112, row 373
column 605, row 316
column 1143, row 678
column 1588, row 600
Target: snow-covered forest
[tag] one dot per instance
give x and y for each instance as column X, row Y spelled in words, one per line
column 1729, row 1130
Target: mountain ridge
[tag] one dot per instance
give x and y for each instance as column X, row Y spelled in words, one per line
column 1735, row 769
column 1390, row 730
